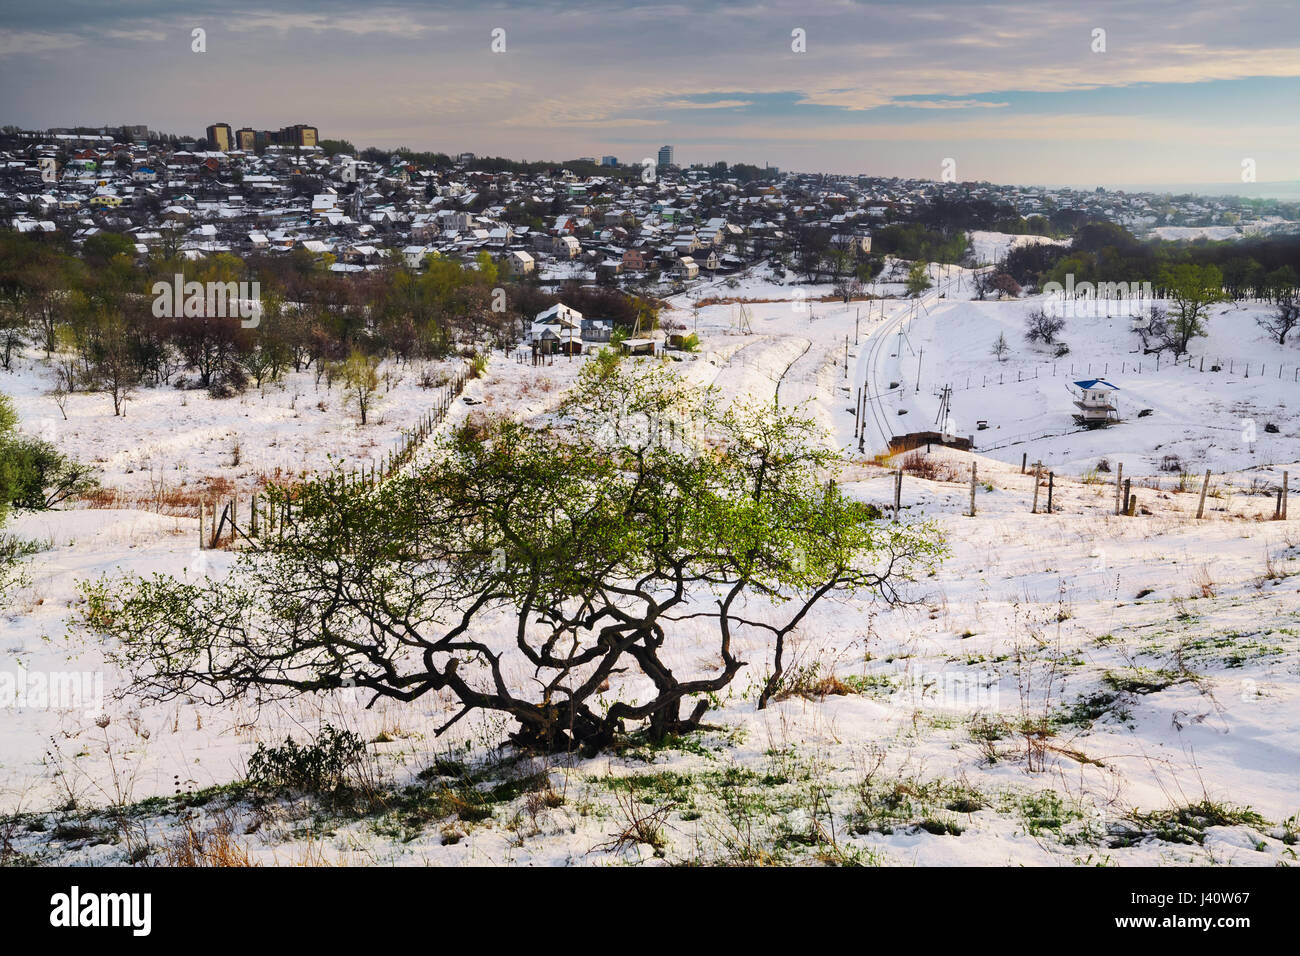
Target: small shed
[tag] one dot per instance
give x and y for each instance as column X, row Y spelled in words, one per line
column 552, row 340
column 1096, row 402
column 641, row 346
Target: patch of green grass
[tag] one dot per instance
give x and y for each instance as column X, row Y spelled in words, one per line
column 471, row 797
column 69, row 831
column 1142, row 680
column 911, row 803
column 704, row 742
column 1233, row 648
column 1087, row 709
column 1187, row 825
column 941, row 827
column 444, row 767
column 226, row 794
column 655, row 788
column 1046, row 812
column 871, row 685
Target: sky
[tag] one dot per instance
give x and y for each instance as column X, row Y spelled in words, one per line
column 1158, row 92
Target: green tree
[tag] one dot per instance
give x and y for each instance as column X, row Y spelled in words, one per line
column 575, row 553
column 1192, row 289
column 360, row 375
column 13, row 334
column 40, row 476
column 10, row 469
column 332, row 146
column 11, row 475
column 918, row 279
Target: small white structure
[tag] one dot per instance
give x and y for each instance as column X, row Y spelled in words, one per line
column 642, row 346
column 1096, row 403
column 415, row 256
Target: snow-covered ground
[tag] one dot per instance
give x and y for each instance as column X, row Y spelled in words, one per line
column 172, row 439
column 990, row 248
column 1183, row 409
column 1213, row 233
column 1063, row 689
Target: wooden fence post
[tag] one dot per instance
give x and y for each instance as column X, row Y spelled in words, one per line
column 1038, row 465
column 1205, row 486
column 1286, row 492
column 202, row 505
column 1119, row 484
column 1128, row 484
column 898, row 492
column 1051, row 481
column 1024, row 460
column 972, row 489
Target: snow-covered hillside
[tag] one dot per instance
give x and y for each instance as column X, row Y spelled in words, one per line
column 1184, row 409
column 989, row 248
column 1073, row 687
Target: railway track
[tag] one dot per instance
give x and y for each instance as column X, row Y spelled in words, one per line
column 870, row 368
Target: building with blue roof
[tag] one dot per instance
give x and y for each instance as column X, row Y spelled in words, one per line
column 1096, row 402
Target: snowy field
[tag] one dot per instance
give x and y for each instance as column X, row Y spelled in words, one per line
column 1069, row 688
column 173, row 440
column 990, row 248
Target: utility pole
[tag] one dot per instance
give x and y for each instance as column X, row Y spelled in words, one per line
column 945, row 407
column 918, row 369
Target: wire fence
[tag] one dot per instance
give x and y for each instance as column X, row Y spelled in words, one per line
column 221, row 524
column 1146, row 365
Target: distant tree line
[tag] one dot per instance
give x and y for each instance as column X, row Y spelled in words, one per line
column 1259, row 268
column 94, row 314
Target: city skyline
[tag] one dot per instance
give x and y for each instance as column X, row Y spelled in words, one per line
column 1007, row 93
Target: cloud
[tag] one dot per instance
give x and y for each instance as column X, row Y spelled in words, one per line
column 579, row 75
column 714, row 105
column 948, row 104
column 136, row 36
column 359, row 23
column 36, row 43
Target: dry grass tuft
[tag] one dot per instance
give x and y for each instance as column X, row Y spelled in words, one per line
column 195, row 846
